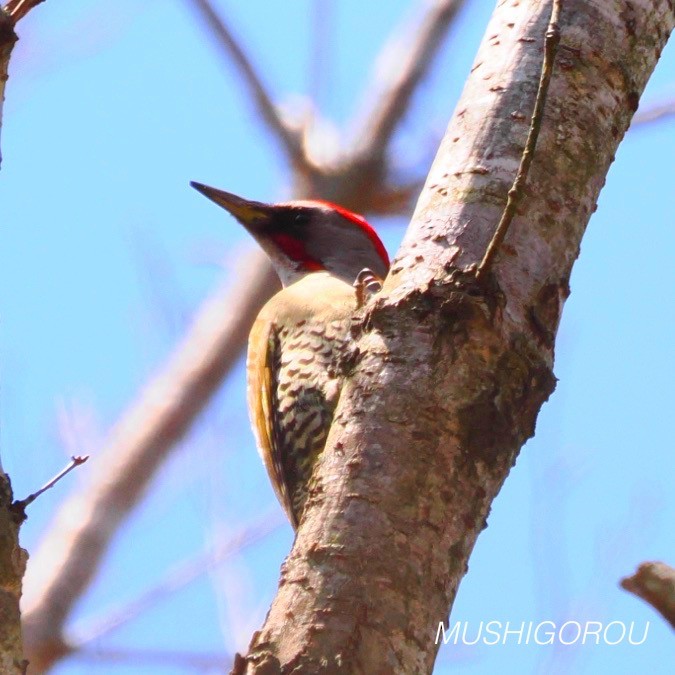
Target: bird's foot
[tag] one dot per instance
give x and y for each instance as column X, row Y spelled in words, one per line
column 366, row 285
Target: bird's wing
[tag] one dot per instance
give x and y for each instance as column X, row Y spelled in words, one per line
column 264, row 356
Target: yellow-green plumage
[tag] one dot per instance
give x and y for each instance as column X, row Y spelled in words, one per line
column 320, row 251
column 294, row 380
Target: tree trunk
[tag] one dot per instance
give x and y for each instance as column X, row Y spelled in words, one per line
column 12, row 567
column 449, row 376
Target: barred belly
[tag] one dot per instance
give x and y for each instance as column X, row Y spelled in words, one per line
column 308, row 386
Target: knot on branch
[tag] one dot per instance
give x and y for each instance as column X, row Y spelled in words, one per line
column 454, row 299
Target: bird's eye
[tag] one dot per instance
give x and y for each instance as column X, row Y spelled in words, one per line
column 301, row 219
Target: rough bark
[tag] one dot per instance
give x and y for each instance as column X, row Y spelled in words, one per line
column 12, row 567
column 449, row 376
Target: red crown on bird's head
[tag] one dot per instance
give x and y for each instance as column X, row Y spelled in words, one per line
column 307, row 236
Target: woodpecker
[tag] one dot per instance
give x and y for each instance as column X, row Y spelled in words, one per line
column 318, row 250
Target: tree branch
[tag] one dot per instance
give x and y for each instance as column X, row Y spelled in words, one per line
column 181, row 575
column 191, row 662
column 516, row 193
column 17, row 9
column 654, row 113
column 448, row 384
column 654, row 582
column 75, row 461
column 407, row 68
column 233, row 52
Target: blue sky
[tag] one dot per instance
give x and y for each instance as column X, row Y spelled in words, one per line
column 112, row 108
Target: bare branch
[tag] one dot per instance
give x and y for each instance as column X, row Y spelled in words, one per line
column 191, row 661
column 68, row 558
column 182, row 574
column 17, row 9
column 398, row 198
column 518, row 188
column 654, row 582
column 233, row 52
column 654, row 113
column 407, row 67
column 75, row 461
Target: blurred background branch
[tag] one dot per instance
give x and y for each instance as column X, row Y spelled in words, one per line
column 656, row 112
column 71, row 551
column 195, row 662
column 261, row 99
column 654, row 582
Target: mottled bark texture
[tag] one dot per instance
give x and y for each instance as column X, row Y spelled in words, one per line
column 12, row 567
column 449, row 377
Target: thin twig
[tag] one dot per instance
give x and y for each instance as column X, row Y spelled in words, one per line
column 234, row 52
column 74, row 462
column 654, row 582
column 518, row 188
column 407, row 70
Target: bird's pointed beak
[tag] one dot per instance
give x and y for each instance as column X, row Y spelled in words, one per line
column 248, row 213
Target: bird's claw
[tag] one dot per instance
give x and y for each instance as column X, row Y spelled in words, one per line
column 366, row 285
